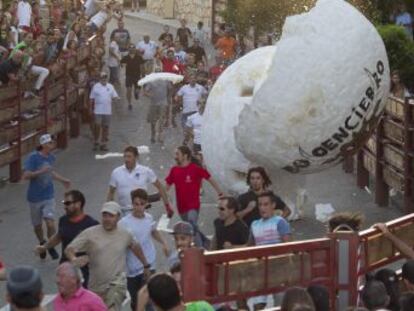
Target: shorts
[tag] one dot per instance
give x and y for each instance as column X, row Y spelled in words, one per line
column 42, row 210
column 102, row 119
column 184, row 117
column 114, row 295
column 131, row 81
column 196, row 148
column 113, row 74
column 156, row 112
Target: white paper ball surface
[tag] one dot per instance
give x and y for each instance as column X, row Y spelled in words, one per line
column 302, row 105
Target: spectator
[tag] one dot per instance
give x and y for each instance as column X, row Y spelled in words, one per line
column 180, row 54
column 297, row 298
column 143, row 228
column 398, row 89
column 106, row 246
column 53, row 47
column 407, row 301
column 198, row 51
column 24, row 289
column 122, row 38
column 101, row 98
column 390, row 279
column 149, row 50
column 230, row 232
column 259, row 182
column 183, row 34
column 131, row 176
column 114, row 61
column 195, row 125
column 9, row 68
column 374, row 295
column 72, row 296
column 227, row 46
column 189, row 95
column 162, row 290
column 187, row 177
column 166, row 37
column 268, row 230
column 98, row 20
column 201, row 34
column 405, row 20
column 24, row 15
column 202, row 76
column 217, row 69
column 73, row 34
column 183, row 233
column 70, row 226
column 38, row 168
column 407, row 275
column 56, row 12
column 320, row 297
column 160, row 93
column 133, row 63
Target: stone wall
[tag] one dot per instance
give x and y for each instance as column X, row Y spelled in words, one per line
column 192, row 10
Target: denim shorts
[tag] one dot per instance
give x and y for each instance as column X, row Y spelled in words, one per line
column 42, row 210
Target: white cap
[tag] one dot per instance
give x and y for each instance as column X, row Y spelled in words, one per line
column 111, row 207
column 45, row 139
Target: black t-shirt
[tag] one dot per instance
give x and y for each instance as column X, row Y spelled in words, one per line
column 244, row 200
column 133, row 65
column 183, row 34
column 7, row 67
column 237, row 233
column 68, row 231
column 198, row 51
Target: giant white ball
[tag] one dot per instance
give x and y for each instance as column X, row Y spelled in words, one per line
column 302, row 105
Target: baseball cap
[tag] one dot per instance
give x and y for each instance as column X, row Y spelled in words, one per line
column 408, row 271
column 183, row 227
column 45, row 139
column 111, row 207
column 24, row 279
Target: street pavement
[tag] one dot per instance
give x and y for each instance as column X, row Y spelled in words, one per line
column 91, row 176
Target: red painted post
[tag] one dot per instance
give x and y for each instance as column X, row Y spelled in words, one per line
column 193, row 276
column 348, row 164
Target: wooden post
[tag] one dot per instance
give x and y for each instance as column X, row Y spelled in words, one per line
column 348, row 164
column 381, row 188
column 362, row 172
column 408, row 158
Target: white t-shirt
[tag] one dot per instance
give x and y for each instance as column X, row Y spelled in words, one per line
column 201, row 35
column 103, row 95
column 195, row 121
column 99, row 18
column 125, row 181
column 191, row 95
column 113, row 61
column 24, row 13
column 140, row 229
column 149, row 49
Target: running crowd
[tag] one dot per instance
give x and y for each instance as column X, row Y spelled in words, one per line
column 101, row 260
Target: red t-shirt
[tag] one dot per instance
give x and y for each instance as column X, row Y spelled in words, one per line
column 171, row 66
column 187, row 182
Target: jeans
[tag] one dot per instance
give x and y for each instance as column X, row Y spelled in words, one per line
column 134, row 284
column 200, row 239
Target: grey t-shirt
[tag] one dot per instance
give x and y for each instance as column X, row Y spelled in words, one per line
column 159, row 91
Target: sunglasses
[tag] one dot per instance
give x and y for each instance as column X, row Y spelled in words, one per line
column 221, row 208
column 67, row 203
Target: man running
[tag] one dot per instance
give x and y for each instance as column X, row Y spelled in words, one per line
column 38, row 169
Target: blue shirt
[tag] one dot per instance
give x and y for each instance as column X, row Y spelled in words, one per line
column 41, row 187
column 269, row 231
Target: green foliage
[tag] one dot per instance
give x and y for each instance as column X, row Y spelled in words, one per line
column 400, row 50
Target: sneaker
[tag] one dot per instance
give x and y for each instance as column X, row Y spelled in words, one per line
column 53, row 253
column 42, row 255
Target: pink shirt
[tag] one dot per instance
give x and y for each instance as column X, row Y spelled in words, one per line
column 82, row 300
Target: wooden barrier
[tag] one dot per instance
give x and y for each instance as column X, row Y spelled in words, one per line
column 57, row 111
column 388, row 156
